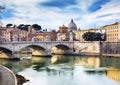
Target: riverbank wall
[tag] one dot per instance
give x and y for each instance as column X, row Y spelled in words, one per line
column 97, row 48
column 87, row 47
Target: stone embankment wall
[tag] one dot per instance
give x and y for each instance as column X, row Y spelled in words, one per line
column 110, row 48
column 87, row 47
column 102, row 48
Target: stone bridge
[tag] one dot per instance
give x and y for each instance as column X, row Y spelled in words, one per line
column 47, row 46
column 67, row 46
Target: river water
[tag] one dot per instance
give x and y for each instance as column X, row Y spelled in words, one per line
column 67, row 70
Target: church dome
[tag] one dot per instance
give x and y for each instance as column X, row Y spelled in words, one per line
column 72, row 26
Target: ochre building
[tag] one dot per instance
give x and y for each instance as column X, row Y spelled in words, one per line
column 112, row 32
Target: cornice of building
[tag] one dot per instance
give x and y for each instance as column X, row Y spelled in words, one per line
column 116, row 23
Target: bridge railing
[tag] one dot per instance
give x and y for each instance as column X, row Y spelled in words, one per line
column 39, row 42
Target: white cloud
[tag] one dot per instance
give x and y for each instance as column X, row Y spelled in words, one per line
column 84, row 4
column 94, row 19
column 29, row 12
column 23, row 2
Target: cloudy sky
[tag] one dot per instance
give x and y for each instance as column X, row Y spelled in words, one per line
column 51, row 14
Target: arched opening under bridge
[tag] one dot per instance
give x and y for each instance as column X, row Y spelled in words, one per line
column 5, row 53
column 33, row 50
column 60, row 49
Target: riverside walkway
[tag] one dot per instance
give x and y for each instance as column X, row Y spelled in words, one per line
column 7, row 77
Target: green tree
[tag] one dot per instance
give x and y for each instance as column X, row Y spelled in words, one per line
column 23, row 27
column 9, row 25
column 92, row 36
column 37, row 27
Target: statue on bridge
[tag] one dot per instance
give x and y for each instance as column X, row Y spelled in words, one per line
column 34, row 39
column 47, row 38
column 14, row 38
column 59, row 37
column 71, row 36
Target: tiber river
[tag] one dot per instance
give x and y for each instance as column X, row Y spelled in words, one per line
column 68, row 70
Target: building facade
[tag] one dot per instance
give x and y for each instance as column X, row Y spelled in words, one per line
column 112, row 32
column 67, row 33
column 63, row 29
column 13, row 34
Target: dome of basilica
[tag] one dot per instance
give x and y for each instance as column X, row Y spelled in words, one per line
column 72, row 26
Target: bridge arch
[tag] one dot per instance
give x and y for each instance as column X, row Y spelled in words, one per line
column 5, row 52
column 62, row 46
column 60, row 49
column 4, row 48
column 32, row 46
column 35, row 50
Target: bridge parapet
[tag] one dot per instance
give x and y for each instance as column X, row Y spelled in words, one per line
column 15, row 47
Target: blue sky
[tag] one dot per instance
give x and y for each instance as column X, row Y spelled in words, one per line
column 51, row 14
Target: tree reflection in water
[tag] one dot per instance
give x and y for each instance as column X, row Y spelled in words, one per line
column 38, row 65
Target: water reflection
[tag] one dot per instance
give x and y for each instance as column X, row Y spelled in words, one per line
column 110, row 62
column 88, row 62
column 75, row 70
column 57, row 59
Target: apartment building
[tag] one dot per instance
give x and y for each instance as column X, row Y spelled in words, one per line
column 112, row 32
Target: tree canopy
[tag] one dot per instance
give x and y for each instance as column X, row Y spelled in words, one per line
column 92, row 36
column 9, row 25
column 23, row 27
column 36, row 27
